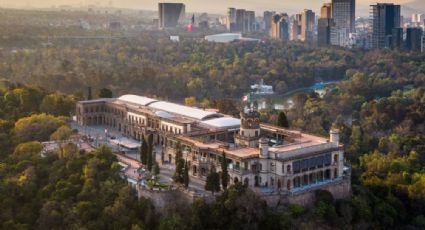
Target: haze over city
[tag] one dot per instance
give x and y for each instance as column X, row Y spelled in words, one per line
column 218, row 6
column 212, row 114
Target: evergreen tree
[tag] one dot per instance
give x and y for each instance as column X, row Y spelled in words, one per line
column 186, row 175
column 213, row 182
column 178, row 175
column 150, row 152
column 144, row 151
column 105, row 93
column 224, row 171
column 89, row 94
column 156, row 169
column 282, row 120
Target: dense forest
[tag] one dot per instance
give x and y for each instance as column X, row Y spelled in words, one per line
column 153, row 65
column 378, row 104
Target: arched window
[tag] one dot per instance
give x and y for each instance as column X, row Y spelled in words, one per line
column 288, row 169
column 246, row 181
column 336, row 158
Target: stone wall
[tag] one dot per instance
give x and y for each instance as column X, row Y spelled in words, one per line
column 161, row 198
column 339, row 189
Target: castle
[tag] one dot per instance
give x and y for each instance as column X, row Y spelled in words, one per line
column 267, row 158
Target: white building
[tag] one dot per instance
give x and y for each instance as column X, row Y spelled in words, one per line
column 261, row 156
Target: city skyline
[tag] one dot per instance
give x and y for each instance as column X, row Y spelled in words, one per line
column 219, row 6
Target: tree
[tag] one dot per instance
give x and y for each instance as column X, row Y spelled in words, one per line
column 144, row 151
column 190, row 101
column 150, row 152
column 178, row 175
column 224, row 171
column 57, row 104
column 186, row 175
column 89, row 94
column 61, row 134
column 156, row 169
column 213, row 182
column 37, row 127
column 28, row 149
column 282, row 120
column 105, row 93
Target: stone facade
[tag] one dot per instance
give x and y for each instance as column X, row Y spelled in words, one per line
column 265, row 157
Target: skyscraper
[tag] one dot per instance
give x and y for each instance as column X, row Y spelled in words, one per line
column 343, row 15
column 414, row 39
column 385, row 17
column 280, row 27
column 249, row 21
column 296, row 27
column 231, row 19
column 326, row 10
column 324, row 25
column 397, row 38
column 170, row 14
column 307, row 25
column 267, row 18
column 240, row 20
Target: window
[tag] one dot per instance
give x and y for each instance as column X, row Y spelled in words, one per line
column 328, row 159
column 335, row 158
column 256, row 133
column 288, row 169
column 296, row 166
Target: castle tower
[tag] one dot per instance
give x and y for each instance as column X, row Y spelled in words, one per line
column 334, row 137
column 249, row 134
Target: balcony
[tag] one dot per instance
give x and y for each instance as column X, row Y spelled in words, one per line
column 239, row 171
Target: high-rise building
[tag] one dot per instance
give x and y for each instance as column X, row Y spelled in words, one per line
column 231, row 20
column 307, row 25
column 423, row 43
column 249, row 21
column 385, row 17
column 296, row 27
column 171, row 14
column 326, row 10
column 343, row 15
column 240, row 19
column 280, row 27
column 324, row 25
column 414, row 39
column 397, row 38
column 267, row 18
column 417, row 19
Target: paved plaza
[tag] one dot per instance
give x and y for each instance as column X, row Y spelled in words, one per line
column 103, row 135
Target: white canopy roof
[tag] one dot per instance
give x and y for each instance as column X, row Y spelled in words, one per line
column 137, row 99
column 223, row 122
column 184, row 110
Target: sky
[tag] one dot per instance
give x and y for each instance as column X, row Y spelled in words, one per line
column 211, row 6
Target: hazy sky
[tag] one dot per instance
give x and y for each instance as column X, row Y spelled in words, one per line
column 216, row 6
